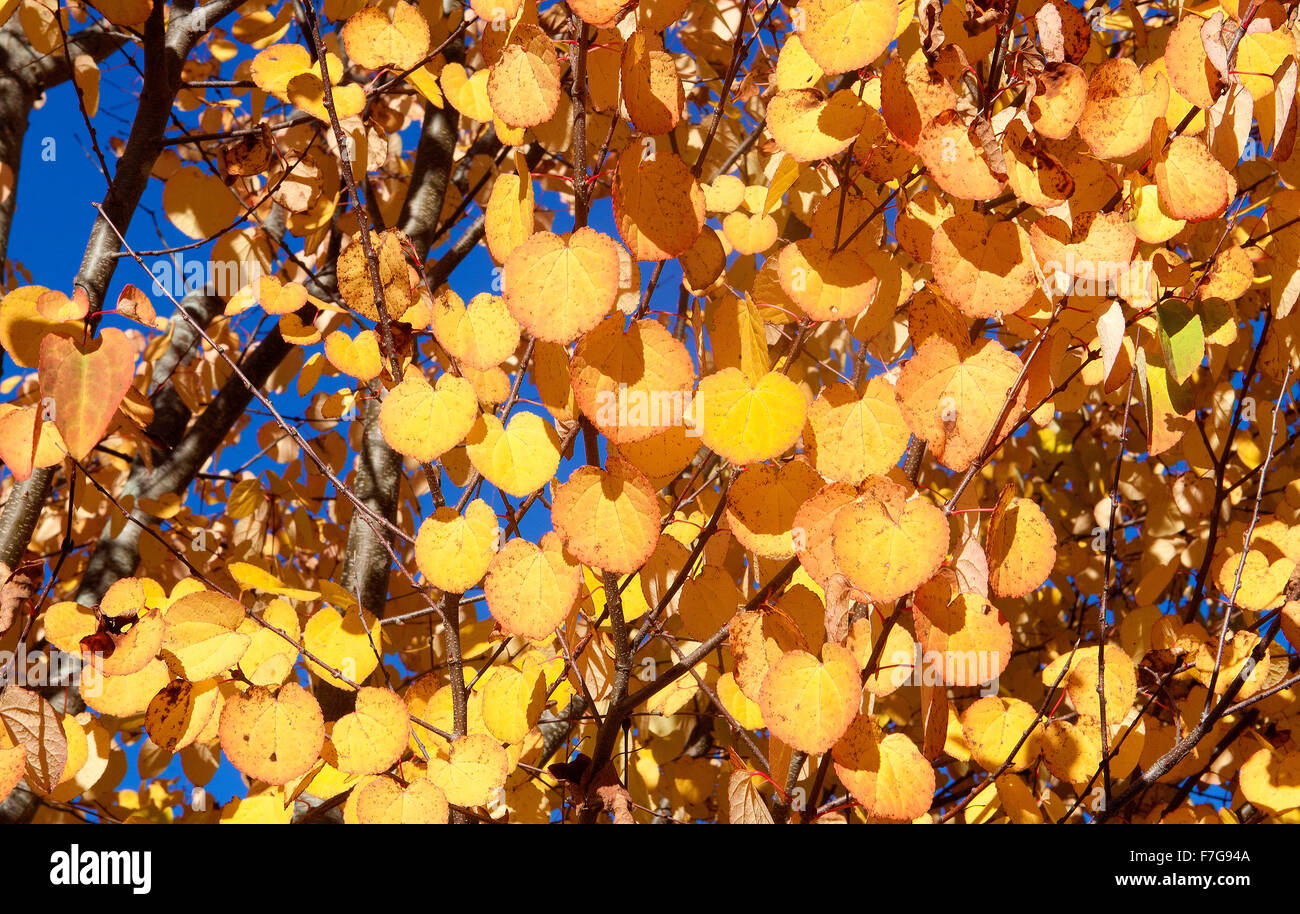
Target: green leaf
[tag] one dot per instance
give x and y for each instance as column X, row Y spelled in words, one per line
column 1182, row 339
column 1219, row 320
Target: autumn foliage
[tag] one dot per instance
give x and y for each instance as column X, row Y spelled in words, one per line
column 749, row 411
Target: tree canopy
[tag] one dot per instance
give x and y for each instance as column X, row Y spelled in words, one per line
column 653, row 410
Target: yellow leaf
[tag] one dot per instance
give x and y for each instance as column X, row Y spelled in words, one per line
column 843, row 35
column 1121, row 683
column 1072, row 753
column 808, row 126
column 1122, row 104
column 123, row 696
column 481, row 335
column 560, row 287
column 747, row 422
column 123, row 599
column 652, row 90
column 202, row 637
column 992, row 726
column 347, row 643
column 850, row 438
column 373, row 737
column 13, row 763
column 1021, row 546
column 508, row 219
column 382, row 801
column 476, row 769
column 467, row 93
column 982, row 266
column 453, row 551
column 518, row 458
column 512, row 702
column 424, row 421
column 747, row 713
column 826, row 284
column 658, row 203
column 180, row 712
column 356, row 285
column 251, row 577
column 199, row 204
column 963, row 632
column 375, row 39
column 762, row 503
column 524, row 84
column 952, row 399
column 632, row 385
column 1190, row 182
column 357, row 357
column 270, row 658
column 1271, row 780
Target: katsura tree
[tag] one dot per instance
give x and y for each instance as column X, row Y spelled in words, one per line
column 670, row 410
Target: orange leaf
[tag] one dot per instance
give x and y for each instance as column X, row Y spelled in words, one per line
column 885, row 773
column 86, row 386
column 808, row 703
column 1021, row 546
column 609, row 519
column 984, row 267
column 952, row 399
column 274, row 737
column 560, row 287
column 886, row 544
